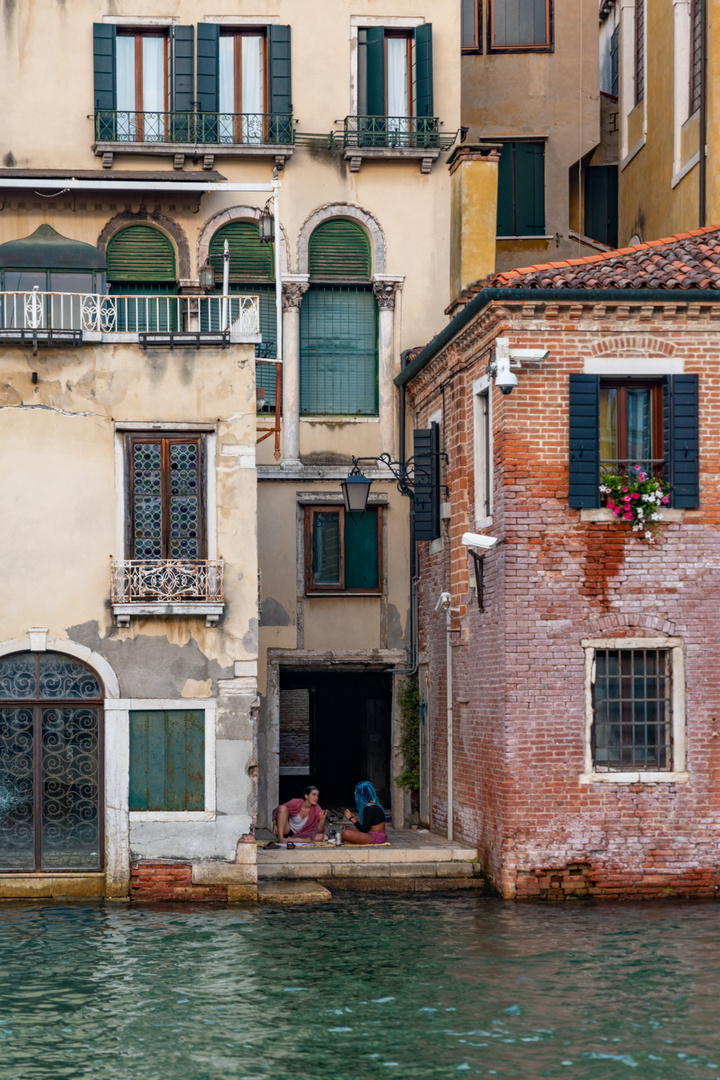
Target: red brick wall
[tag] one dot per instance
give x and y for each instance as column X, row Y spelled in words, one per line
column 152, row 881
column 518, row 668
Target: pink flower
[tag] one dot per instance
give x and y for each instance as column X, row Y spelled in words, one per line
column 617, row 511
column 626, row 498
column 666, row 500
column 642, row 475
column 624, row 489
column 628, row 516
column 611, row 504
column 636, row 495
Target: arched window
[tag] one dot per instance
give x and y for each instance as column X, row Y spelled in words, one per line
column 252, row 273
column 338, row 324
column 141, row 263
column 50, row 764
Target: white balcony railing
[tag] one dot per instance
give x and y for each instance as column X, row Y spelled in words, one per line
column 167, row 581
column 96, row 313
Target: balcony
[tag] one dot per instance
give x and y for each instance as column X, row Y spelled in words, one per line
column 393, row 138
column 167, row 587
column 61, row 319
column 193, row 133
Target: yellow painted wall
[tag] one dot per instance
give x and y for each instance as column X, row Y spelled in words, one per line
column 474, row 178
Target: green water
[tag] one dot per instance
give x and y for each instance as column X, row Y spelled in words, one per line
column 365, row 987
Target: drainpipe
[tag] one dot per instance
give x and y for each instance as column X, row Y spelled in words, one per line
column 445, row 604
column 278, row 273
column 226, row 286
column 702, row 175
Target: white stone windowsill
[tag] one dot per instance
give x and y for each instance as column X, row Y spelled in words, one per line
column 339, row 419
column 634, row 778
column 604, row 513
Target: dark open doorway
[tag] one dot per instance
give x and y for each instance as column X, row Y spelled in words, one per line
column 334, row 732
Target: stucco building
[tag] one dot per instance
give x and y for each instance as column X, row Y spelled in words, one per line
column 569, row 667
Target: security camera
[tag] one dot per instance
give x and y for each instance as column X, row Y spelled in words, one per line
column 505, row 380
column 444, row 602
column 475, row 540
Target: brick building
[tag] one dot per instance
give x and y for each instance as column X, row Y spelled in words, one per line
column 584, row 660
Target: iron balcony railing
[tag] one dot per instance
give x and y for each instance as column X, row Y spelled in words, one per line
column 167, row 581
column 234, row 129
column 117, row 314
column 393, row 132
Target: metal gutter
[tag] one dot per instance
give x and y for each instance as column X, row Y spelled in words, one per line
column 587, row 296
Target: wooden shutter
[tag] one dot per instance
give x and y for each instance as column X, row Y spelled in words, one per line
column 279, row 70
column 249, row 259
column 681, row 438
column 208, row 49
column 104, row 66
column 338, row 351
column 601, row 203
column 339, row 250
column 167, row 760
column 519, row 23
column 529, row 189
column 183, row 68
column 375, row 68
column 506, row 188
column 361, row 551
column 584, row 440
column 426, row 499
column 140, row 253
column 423, row 70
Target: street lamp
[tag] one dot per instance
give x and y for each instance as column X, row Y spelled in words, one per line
column 207, row 277
column 266, row 226
column 355, row 489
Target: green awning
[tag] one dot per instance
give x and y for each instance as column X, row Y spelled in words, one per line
column 48, row 250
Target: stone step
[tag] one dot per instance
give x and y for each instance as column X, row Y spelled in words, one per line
column 310, row 869
column 292, row 892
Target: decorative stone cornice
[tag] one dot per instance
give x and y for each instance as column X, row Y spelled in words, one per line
column 294, row 288
column 384, row 287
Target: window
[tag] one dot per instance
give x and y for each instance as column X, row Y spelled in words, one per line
column 142, row 85
column 338, row 325
column 521, row 189
column 395, row 87
column 165, row 496
column 343, row 555
column 50, row 764
column 519, row 24
column 483, row 456
column 615, row 61
column 242, row 86
column 141, row 273
column 635, row 710
column 620, row 423
column 471, row 25
column 639, row 51
column 601, row 203
column 696, row 33
column 167, row 760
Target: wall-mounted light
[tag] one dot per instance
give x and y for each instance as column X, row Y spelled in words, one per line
column 266, row 226
column 355, row 489
column 207, row 277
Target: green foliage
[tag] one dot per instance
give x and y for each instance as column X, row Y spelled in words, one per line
column 409, row 701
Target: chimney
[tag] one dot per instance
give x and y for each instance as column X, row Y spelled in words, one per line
column 474, row 182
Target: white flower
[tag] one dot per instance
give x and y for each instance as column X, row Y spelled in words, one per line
column 654, row 517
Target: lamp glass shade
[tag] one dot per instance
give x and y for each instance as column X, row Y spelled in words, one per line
column 207, row 277
column 266, row 228
column 356, row 489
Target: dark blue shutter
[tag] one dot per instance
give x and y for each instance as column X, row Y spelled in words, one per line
column 104, row 72
column 375, row 68
column 183, row 83
column 529, row 189
column 208, row 50
column 506, row 191
column 681, row 438
column 279, row 70
column 584, row 431
column 423, row 71
column 426, row 498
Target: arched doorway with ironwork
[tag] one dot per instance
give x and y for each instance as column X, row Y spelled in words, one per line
column 51, row 764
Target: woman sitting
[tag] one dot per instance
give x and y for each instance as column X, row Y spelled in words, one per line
column 370, row 822
column 302, row 819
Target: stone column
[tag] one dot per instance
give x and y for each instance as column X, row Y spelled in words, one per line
column 384, row 288
column 293, row 288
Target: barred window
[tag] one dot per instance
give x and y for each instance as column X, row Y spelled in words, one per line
column 632, row 710
column 695, row 55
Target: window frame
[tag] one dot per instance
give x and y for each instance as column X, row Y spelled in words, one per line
column 138, row 34
column 237, row 33
column 165, row 439
column 678, row 771
column 476, row 6
column 311, row 589
column 483, row 452
column 547, row 46
column 696, row 76
column 639, row 52
column 657, row 409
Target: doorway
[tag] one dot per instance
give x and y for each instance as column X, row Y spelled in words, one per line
column 335, row 730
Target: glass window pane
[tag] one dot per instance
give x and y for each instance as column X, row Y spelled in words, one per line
column 17, row 834
column 227, row 75
column 639, row 423
column 25, row 280
column 61, row 677
column 253, row 90
column 125, row 72
column 153, row 50
column 397, row 77
column 18, row 678
column 184, row 501
column 69, row 282
column 70, row 788
column 608, row 424
column 326, row 548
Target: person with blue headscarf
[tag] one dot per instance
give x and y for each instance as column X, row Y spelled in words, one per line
column 369, row 824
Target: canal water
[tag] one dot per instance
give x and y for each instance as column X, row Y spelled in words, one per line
column 367, row 986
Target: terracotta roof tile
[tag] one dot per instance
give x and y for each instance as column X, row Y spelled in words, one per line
column 690, row 260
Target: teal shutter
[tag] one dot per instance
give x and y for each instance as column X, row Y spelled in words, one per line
column 423, row 75
column 339, row 249
column 249, row 259
column 361, row 551
column 183, row 68
column 167, row 760
column 279, row 69
column 681, row 437
column 426, row 496
column 338, row 352
column 140, row 254
column 584, row 435
column 529, row 189
column 208, row 50
column 506, row 187
column 104, row 81
column 327, row 563
column 375, row 68
column 601, row 203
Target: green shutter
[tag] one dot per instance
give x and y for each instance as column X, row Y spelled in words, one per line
column 361, row 551
column 681, row 419
column 339, row 249
column 167, row 760
column 601, row 203
column 506, row 186
column 375, row 68
column 423, row 74
column 183, row 72
column 208, row 48
column 140, row 253
column 279, row 74
column 338, row 352
column 249, row 259
column 529, row 189
column 584, row 435
column 104, row 66
column 426, row 497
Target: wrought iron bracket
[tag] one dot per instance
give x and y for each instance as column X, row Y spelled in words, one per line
column 405, row 472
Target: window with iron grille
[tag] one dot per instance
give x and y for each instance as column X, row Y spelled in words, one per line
column 166, row 502
column 696, row 18
column 632, row 710
column 639, row 51
column 343, row 554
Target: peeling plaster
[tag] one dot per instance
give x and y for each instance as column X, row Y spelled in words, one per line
column 273, row 613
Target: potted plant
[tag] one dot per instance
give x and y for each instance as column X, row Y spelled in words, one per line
column 636, row 498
